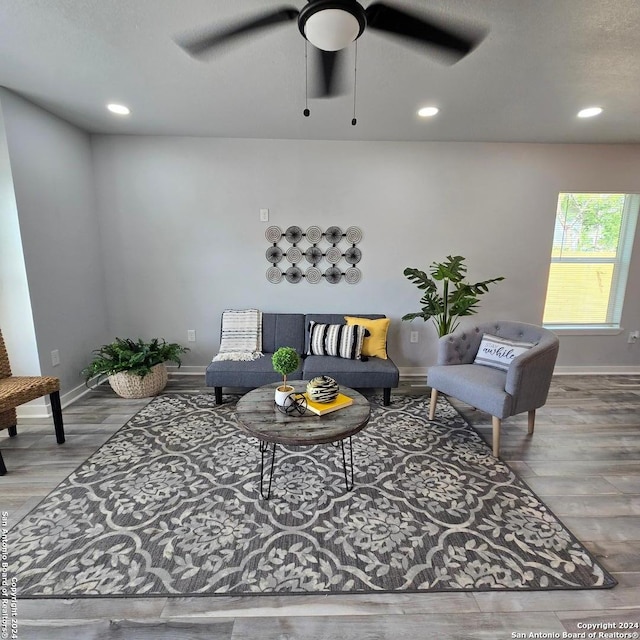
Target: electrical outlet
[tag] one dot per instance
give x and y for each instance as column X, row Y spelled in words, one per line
column 415, row 336
column 191, row 335
column 633, row 337
column 55, row 358
column 264, row 215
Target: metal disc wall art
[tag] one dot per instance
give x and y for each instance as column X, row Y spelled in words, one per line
column 333, row 275
column 313, row 275
column 274, row 275
column 352, row 255
column 273, row 254
column 294, row 255
column 333, row 235
column 313, row 254
column 315, row 247
column 293, row 274
column 314, row 235
column 333, row 255
column 293, row 234
column 353, row 235
column 273, row 234
column 352, row 275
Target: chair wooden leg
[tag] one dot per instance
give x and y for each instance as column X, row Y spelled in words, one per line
column 3, row 469
column 432, row 406
column 496, row 436
column 386, row 396
column 531, row 418
column 218, row 392
column 56, row 409
column 13, row 431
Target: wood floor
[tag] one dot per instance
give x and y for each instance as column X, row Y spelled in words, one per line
column 584, row 461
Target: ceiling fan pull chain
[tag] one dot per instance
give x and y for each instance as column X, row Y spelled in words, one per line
column 306, row 111
column 354, row 121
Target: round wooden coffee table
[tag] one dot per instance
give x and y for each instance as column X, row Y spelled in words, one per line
column 258, row 416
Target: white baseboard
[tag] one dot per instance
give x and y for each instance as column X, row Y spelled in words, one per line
column 407, row 373
column 41, row 408
column 186, row 371
column 597, row 371
column 606, row 370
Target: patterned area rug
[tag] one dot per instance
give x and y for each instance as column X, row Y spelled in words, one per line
column 169, row 506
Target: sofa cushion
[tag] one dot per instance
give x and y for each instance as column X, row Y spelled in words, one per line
column 375, row 344
column 341, row 340
column 479, row 385
column 373, row 373
column 283, row 330
column 230, row 373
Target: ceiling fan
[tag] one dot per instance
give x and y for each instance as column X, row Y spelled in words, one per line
column 332, row 25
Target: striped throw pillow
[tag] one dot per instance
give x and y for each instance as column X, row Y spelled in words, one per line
column 341, row 340
column 498, row 352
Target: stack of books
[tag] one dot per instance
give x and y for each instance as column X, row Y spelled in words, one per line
column 321, row 408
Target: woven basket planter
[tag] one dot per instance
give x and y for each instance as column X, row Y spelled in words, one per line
column 130, row 385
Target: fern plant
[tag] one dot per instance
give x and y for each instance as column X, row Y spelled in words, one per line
column 457, row 298
column 136, row 357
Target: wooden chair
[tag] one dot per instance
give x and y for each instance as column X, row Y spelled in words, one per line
column 16, row 390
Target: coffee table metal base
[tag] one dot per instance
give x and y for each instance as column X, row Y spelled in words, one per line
column 264, row 453
column 258, row 418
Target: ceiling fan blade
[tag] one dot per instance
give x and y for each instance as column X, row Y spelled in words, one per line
column 204, row 42
column 424, row 31
column 329, row 66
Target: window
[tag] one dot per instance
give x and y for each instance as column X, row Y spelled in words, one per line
column 590, row 258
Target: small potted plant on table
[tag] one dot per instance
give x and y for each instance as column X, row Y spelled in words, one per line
column 135, row 369
column 285, row 361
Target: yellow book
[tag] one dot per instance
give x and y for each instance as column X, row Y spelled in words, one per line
column 320, row 408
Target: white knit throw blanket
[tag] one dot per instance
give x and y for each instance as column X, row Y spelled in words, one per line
column 241, row 337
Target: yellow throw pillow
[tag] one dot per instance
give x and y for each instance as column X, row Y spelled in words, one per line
column 376, row 343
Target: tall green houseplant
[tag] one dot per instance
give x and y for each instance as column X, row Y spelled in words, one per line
column 457, row 298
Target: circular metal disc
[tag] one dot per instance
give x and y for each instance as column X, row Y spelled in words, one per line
column 273, row 234
column 274, row 275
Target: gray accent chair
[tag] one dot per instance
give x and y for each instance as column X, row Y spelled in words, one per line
column 524, row 387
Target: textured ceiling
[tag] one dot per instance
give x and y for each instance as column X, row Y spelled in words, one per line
column 541, row 62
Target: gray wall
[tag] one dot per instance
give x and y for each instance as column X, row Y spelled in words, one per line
column 182, row 238
column 16, row 318
column 51, row 165
column 151, row 236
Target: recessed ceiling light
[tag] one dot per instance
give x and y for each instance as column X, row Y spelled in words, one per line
column 590, row 112
column 428, row 112
column 120, row 109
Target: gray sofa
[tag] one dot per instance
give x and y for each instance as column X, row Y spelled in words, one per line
column 292, row 330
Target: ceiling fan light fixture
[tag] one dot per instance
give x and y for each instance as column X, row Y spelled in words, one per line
column 590, row 112
column 332, row 25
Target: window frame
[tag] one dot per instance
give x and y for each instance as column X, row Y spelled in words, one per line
column 621, row 265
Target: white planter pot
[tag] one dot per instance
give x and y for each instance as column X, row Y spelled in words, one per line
column 283, row 398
